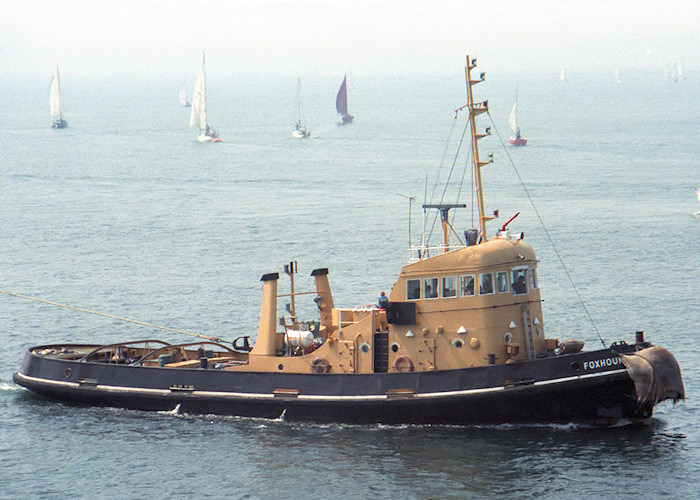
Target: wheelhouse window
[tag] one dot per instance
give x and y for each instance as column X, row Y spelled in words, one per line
column 486, row 284
column 430, row 288
column 533, row 278
column 449, row 286
column 466, row 285
column 502, row 282
column 519, row 282
column 412, row 289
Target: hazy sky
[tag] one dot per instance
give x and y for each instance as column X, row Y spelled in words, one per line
column 328, row 37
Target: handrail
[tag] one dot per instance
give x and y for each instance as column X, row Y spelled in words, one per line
column 125, row 344
column 178, row 346
column 423, row 251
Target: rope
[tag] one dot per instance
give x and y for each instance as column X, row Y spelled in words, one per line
column 215, row 339
column 546, row 232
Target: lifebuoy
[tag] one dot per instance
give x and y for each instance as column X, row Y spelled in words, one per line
column 320, row 365
column 403, row 364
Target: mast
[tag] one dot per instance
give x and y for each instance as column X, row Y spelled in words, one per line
column 475, row 109
column 445, row 220
column 298, row 101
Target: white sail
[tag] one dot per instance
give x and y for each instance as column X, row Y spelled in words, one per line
column 55, row 96
column 198, row 115
column 183, row 97
column 513, row 118
column 617, row 76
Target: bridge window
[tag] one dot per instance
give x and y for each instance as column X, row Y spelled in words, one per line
column 519, row 282
column 412, row 289
column 466, row 285
column 502, row 282
column 533, row 279
column 430, row 288
column 449, row 286
column 486, row 284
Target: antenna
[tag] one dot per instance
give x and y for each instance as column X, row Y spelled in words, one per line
column 411, row 199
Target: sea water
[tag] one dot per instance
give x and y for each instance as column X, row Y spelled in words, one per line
column 125, row 213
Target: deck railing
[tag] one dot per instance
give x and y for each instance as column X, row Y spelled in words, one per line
column 419, row 252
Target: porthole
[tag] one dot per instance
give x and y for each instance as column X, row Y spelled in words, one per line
column 508, row 337
column 68, row 372
column 575, row 366
column 364, row 347
column 394, row 347
column 280, row 367
column 458, row 343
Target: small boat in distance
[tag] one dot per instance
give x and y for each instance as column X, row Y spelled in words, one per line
column 617, row 76
column 460, row 341
column 55, row 105
column 516, row 139
column 184, row 101
column 341, row 102
column 198, row 115
column 300, row 131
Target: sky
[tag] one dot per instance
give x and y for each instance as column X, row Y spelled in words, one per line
column 327, row 37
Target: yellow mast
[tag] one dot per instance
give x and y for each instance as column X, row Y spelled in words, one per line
column 476, row 109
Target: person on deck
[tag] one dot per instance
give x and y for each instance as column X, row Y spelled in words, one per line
column 383, row 301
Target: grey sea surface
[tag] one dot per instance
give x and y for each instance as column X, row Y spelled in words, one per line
column 125, row 213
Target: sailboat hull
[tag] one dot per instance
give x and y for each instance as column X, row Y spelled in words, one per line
column 517, row 141
column 592, row 387
column 207, row 138
column 60, row 123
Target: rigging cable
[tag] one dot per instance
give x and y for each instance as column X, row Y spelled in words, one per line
column 454, row 162
column 437, row 177
column 215, row 339
column 546, row 232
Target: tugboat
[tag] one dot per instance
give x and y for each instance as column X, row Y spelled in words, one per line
column 459, row 341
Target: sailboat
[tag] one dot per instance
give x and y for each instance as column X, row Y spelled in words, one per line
column 617, row 76
column 55, row 105
column 184, row 101
column 198, row 115
column 341, row 102
column 300, row 131
column 697, row 194
column 516, row 139
column 562, row 76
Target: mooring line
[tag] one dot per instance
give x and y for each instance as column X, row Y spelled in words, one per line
column 215, row 339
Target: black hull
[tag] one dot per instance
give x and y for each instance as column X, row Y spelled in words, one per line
column 585, row 387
